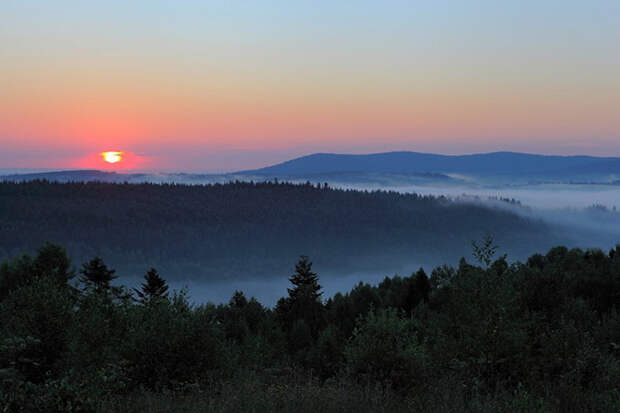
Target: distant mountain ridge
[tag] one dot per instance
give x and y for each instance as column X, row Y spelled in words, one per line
column 495, row 163
column 502, row 167
column 69, row 176
column 93, row 175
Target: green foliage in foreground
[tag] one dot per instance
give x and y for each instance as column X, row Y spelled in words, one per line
column 538, row 336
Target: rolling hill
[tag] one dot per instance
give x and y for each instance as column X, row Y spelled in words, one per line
column 412, row 167
column 252, row 230
column 489, row 164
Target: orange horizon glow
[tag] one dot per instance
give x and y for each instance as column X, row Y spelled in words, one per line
column 113, row 160
column 212, row 85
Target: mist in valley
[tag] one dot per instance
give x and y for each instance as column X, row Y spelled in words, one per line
column 584, row 215
column 269, row 290
column 588, row 213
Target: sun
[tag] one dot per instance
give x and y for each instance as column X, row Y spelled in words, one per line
column 112, row 157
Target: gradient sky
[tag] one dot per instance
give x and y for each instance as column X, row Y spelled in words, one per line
column 211, row 86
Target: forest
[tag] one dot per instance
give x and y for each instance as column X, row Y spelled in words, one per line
column 488, row 335
column 251, row 230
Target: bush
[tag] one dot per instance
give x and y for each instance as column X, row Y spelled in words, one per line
column 169, row 343
column 385, row 348
column 41, row 310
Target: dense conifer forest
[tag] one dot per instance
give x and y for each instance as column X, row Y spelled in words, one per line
column 252, row 230
column 536, row 336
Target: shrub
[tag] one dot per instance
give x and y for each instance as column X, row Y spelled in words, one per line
column 385, row 348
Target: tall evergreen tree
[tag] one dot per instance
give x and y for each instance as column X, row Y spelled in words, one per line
column 96, row 276
column 304, row 281
column 154, row 288
column 303, row 303
column 422, row 284
column 418, row 289
column 238, row 300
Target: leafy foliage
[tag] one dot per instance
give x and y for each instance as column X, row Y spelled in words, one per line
column 385, row 347
column 542, row 335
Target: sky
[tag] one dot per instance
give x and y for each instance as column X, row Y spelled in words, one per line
column 220, row 86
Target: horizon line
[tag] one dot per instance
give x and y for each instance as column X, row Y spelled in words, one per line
column 33, row 170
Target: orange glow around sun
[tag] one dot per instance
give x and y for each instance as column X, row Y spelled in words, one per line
column 112, row 157
column 115, row 160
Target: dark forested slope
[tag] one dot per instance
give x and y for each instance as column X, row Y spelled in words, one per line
column 251, row 229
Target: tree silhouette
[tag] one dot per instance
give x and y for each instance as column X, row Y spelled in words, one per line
column 418, row 290
column 305, row 281
column 53, row 263
column 96, row 276
column 154, row 288
column 303, row 303
column 422, row 284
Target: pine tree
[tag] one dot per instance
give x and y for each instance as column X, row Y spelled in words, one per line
column 96, row 276
column 418, row 290
column 304, row 300
column 154, row 288
column 422, row 284
column 238, row 300
column 305, row 281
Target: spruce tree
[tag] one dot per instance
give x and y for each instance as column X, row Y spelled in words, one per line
column 96, row 276
column 238, row 300
column 304, row 281
column 304, row 300
column 422, row 284
column 154, row 288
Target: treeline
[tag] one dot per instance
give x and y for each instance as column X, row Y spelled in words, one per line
column 245, row 229
column 538, row 336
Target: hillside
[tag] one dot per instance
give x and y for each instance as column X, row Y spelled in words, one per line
column 490, row 164
column 250, row 230
column 384, row 169
column 85, row 175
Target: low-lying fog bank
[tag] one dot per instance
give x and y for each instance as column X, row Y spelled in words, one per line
column 586, row 214
column 542, row 196
column 269, row 291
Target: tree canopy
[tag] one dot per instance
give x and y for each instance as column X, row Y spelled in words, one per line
column 539, row 335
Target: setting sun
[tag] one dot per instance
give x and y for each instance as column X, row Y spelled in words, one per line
column 112, row 157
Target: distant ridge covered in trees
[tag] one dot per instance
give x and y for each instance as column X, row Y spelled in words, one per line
column 246, row 229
